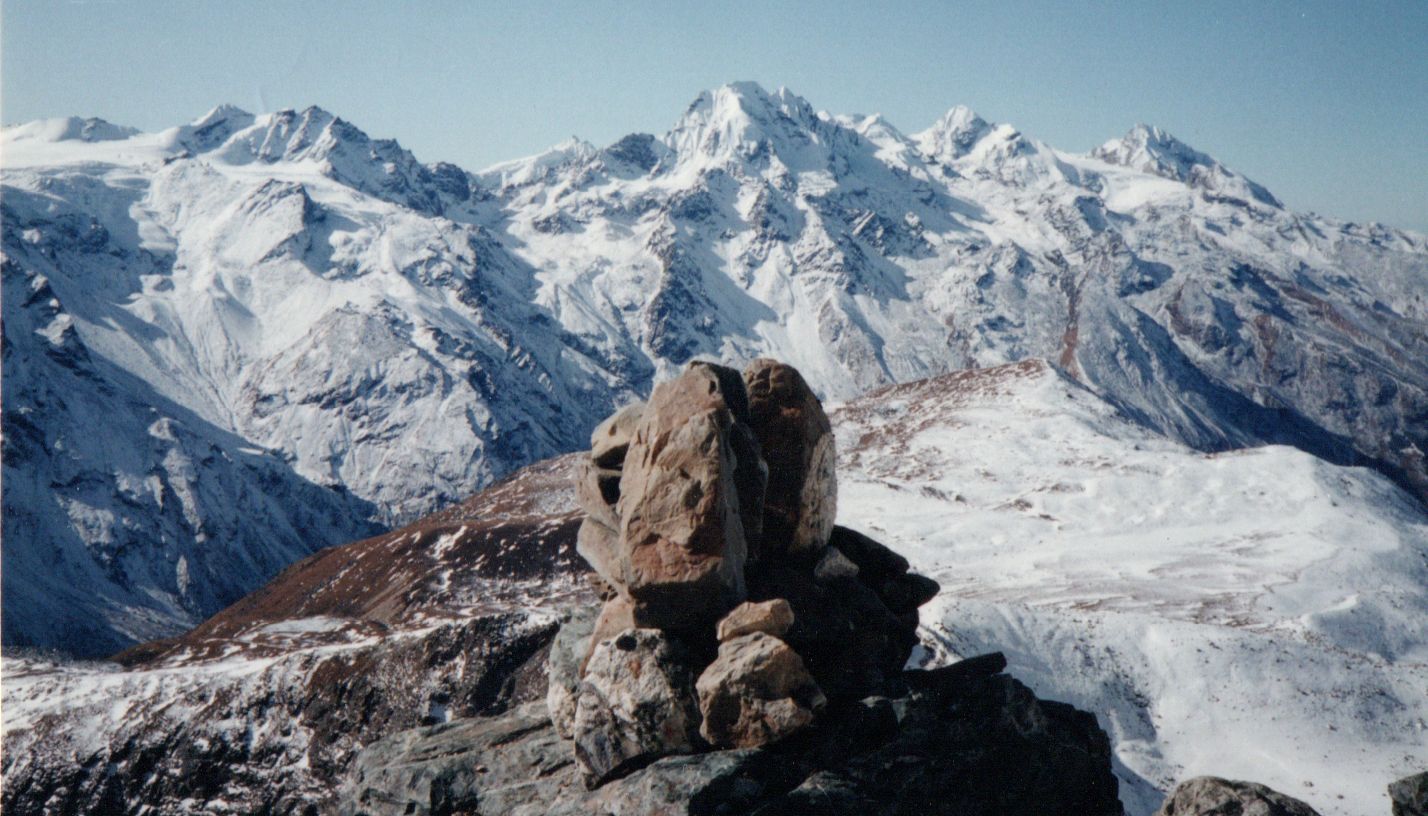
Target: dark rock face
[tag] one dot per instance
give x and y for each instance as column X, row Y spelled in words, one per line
column 1212, row 796
column 797, row 443
column 1410, row 795
column 967, row 742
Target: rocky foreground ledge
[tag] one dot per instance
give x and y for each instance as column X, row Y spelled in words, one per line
column 748, row 656
column 965, row 739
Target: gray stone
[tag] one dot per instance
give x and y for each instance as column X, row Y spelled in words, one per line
column 636, row 704
column 597, row 491
column 599, row 545
column 567, row 652
column 1212, row 796
column 832, row 565
column 1410, row 795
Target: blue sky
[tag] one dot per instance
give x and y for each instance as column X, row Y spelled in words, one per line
column 1326, row 103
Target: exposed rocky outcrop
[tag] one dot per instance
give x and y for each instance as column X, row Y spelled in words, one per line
column 721, row 488
column 964, row 740
column 1410, row 795
column 1212, row 796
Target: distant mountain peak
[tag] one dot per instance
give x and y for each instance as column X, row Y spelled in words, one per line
column 1150, row 149
column 71, row 129
column 954, row 134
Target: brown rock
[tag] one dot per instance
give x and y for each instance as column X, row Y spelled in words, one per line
column 597, row 490
column 1212, row 796
column 770, row 617
column 757, row 691
column 636, row 704
column 682, row 543
column 611, row 439
column 796, row 439
column 600, row 547
column 617, row 615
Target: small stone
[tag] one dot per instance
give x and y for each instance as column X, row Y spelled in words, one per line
column 611, row 439
column 907, row 592
column 832, row 565
column 756, row 692
column 1410, row 795
column 617, row 615
column 772, row 617
column 636, row 704
column 875, row 561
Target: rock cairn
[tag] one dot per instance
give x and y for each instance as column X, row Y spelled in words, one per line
column 734, row 609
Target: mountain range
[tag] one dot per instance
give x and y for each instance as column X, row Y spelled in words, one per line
column 234, row 342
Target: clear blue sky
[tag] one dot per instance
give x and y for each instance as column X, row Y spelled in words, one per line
column 1326, row 103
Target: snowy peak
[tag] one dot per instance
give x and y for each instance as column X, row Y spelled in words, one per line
column 744, row 120
column 214, row 128
column 1151, row 150
column 954, row 135
column 70, row 129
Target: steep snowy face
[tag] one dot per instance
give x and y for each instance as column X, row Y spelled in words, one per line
column 400, row 334
column 267, row 350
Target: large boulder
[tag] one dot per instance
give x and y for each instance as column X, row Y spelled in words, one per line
column 563, row 663
column 756, row 692
column 682, row 537
column 1410, row 795
column 1212, row 796
column 797, row 444
column 636, row 704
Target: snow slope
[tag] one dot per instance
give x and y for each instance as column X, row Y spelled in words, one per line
column 1256, row 614
column 398, row 334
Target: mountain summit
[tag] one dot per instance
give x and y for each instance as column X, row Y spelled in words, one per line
column 285, row 315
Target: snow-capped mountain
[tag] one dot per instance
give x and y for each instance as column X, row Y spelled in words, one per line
column 1254, row 614
column 391, row 335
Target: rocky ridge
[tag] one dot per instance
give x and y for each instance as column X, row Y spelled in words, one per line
column 797, row 633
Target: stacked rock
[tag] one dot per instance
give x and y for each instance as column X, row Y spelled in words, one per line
column 736, row 610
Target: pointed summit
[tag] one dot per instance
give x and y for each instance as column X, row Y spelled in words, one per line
column 1151, row 150
column 954, row 135
column 743, row 118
